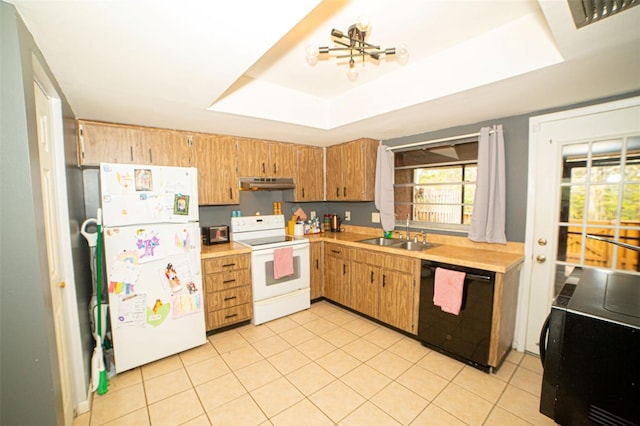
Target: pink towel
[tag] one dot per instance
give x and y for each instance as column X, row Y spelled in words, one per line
column 447, row 292
column 282, row 262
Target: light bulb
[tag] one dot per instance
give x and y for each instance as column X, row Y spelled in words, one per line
column 352, row 74
column 363, row 23
column 311, row 54
column 402, row 53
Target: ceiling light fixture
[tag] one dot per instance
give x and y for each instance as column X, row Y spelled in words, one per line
column 354, row 47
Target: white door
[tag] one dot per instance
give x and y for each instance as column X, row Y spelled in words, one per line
column 556, row 234
column 52, row 239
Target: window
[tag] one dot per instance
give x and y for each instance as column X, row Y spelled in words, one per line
column 435, row 185
column 600, row 196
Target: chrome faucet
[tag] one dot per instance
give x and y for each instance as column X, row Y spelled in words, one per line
column 408, row 235
column 424, row 237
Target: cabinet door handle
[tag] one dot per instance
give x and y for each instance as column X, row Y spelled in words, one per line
column 317, row 263
column 337, row 191
column 344, row 191
column 231, row 193
column 335, row 251
column 302, row 192
column 230, row 316
column 230, row 298
column 228, row 281
column 275, row 169
column 150, row 156
column 344, row 269
column 131, row 153
column 226, row 265
column 371, row 277
column 384, row 280
column 264, row 170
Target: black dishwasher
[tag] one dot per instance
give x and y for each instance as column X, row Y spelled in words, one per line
column 465, row 336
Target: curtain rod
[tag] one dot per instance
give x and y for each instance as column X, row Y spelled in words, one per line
column 452, row 138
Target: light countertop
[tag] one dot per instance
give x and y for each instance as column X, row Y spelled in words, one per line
column 452, row 250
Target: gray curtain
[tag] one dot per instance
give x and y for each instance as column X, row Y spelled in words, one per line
column 384, row 195
column 489, row 204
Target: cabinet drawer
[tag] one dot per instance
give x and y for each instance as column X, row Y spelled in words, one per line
column 337, row 250
column 227, row 280
column 228, row 316
column 227, row 263
column 368, row 256
column 398, row 263
column 228, row 298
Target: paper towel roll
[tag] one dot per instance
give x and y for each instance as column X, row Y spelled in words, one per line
column 298, row 229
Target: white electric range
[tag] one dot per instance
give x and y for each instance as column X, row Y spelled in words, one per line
column 273, row 297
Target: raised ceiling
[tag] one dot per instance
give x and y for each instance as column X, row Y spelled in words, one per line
column 238, row 67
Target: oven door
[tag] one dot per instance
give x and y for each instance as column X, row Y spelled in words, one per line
column 265, row 286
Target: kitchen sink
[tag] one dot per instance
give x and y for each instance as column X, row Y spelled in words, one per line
column 413, row 246
column 396, row 243
column 381, row 241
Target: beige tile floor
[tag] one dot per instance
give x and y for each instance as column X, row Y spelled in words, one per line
column 322, row 366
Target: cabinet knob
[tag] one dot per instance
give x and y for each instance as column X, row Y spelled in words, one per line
column 542, row 241
column 541, row 258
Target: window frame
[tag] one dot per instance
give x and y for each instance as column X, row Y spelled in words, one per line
column 417, row 224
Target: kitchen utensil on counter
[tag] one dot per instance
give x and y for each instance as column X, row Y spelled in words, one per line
column 336, row 221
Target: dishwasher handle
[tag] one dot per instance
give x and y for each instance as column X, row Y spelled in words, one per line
column 478, row 277
column 472, row 274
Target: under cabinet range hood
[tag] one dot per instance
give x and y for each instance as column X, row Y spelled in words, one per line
column 266, row 184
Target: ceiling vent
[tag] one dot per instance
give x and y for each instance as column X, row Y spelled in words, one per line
column 586, row 12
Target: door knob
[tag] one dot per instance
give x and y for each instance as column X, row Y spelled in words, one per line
column 541, row 258
column 62, row 284
column 542, row 242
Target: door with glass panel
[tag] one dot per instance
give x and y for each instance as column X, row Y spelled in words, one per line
column 584, row 189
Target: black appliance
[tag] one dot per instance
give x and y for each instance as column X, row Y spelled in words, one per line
column 590, row 350
column 215, row 234
column 465, row 336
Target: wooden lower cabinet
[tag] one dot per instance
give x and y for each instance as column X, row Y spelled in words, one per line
column 316, row 263
column 396, row 302
column 365, row 289
column 384, row 287
column 337, row 273
column 227, row 290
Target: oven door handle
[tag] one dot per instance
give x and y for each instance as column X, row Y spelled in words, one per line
column 543, row 339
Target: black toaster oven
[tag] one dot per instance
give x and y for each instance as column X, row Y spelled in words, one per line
column 215, row 234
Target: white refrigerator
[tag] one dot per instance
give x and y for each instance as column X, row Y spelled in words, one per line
column 152, row 254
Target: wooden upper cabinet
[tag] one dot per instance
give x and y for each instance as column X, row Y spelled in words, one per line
column 215, row 158
column 166, row 148
column 258, row 158
column 351, row 170
column 282, row 159
column 108, row 143
column 334, row 173
column 252, row 157
column 309, row 173
column 115, row 143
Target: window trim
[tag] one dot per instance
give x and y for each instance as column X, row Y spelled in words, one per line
column 462, row 229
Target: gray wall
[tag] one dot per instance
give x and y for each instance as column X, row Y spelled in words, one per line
column 30, row 389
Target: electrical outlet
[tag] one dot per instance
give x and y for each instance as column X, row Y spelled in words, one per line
column 347, row 215
column 375, row 217
column 313, row 214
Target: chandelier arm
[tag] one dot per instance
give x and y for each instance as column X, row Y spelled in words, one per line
column 364, row 53
column 362, row 42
